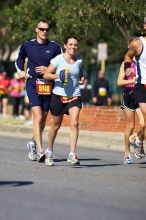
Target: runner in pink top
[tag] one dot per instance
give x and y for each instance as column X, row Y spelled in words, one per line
column 129, row 106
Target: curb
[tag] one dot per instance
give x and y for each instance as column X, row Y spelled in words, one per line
column 113, row 141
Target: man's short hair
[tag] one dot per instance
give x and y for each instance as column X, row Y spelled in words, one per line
column 43, row 21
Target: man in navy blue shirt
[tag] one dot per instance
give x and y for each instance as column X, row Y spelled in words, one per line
column 38, row 53
column 100, row 90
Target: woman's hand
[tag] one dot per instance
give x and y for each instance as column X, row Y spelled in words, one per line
column 82, row 80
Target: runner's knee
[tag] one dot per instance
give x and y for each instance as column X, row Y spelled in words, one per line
column 74, row 124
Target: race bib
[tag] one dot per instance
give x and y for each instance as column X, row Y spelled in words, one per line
column 67, row 99
column 102, row 91
column 43, row 87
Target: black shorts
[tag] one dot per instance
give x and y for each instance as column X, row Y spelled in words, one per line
column 139, row 93
column 58, row 108
column 128, row 101
column 4, row 96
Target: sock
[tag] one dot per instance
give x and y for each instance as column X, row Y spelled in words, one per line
column 72, row 153
column 49, row 150
column 33, row 140
column 138, row 142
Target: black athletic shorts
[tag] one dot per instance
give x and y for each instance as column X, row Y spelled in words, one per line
column 4, row 96
column 139, row 93
column 58, row 108
column 128, row 101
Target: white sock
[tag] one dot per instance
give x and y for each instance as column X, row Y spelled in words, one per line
column 138, row 142
column 72, row 153
column 49, row 150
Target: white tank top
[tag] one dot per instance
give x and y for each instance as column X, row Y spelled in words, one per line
column 141, row 64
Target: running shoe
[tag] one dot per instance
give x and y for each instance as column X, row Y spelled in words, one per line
column 127, row 159
column 142, row 152
column 73, row 159
column 31, row 145
column 139, row 151
column 41, row 156
column 49, row 159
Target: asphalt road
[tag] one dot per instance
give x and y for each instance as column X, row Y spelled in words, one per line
column 101, row 188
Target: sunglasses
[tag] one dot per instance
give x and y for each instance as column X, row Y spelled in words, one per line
column 43, row 29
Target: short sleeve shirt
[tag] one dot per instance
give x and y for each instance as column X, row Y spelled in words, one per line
column 72, row 88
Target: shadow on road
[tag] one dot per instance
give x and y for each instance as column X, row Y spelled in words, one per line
column 94, row 165
column 15, row 183
column 83, row 163
column 142, row 163
column 81, row 159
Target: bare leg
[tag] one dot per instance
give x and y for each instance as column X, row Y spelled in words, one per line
column 37, row 126
column 74, row 122
column 43, row 122
column 4, row 106
column 44, row 117
column 129, row 127
column 140, row 132
column 143, row 109
column 57, row 121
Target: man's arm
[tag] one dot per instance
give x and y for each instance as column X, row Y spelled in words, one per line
column 20, row 61
column 134, row 50
column 93, row 93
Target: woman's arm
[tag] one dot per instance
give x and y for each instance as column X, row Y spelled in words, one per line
column 49, row 73
column 121, row 81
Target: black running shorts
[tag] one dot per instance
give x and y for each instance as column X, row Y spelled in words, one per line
column 58, row 108
column 128, row 101
column 139, row 93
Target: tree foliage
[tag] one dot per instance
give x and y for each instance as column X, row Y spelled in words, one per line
column 127, row 15
column 92, row 21
column 5, row 38
column 22, row 18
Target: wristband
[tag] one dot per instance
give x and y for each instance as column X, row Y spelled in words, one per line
column 127, row 65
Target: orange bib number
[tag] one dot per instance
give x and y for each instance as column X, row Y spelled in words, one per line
column 67, row 99
column 43, row 87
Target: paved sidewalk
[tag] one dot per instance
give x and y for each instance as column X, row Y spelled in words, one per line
column 91, row 139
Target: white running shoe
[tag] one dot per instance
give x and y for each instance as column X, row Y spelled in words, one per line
column 49, row 159
column 73, row 159
column 31, row 145
column 138, row 149
column 127, row 159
